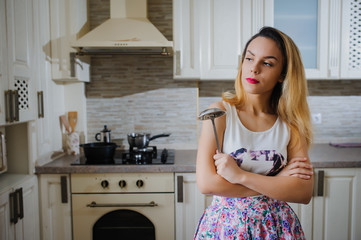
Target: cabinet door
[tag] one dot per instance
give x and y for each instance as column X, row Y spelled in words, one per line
column 6, row 230
column 69, row 21
column 186, row 40
column 55, row 207
column 306, row 22
column 304, row 214
column 221, row 39
column 3, row 61
column 190, row 205
column 351, row 39
column 19, row 17
column 336, row 206
column 28, row 227
column 46, row 133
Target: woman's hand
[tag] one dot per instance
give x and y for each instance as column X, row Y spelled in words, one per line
column 297, row 167
column 227, row 167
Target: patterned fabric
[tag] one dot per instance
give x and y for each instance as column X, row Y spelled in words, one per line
column 257, row 217
column 260, row 158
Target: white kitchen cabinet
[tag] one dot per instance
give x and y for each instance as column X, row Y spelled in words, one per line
column 6, row 232
column 22, row 223
column 190, row 205
column 55, row 206
column 209, row 36
column 304, row 214
column 20, row 94
column 68, row 22
column 306, row 23
column 3, row 62
column 50, row 96
column 186, row 27
column 350, row 52
column 336, row 205
column 327, row 33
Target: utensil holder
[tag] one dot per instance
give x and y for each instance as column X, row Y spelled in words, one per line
column 72, row 143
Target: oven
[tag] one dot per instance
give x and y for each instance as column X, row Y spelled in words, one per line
column 123, row 206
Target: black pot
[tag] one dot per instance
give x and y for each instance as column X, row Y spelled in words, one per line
column 99, row 152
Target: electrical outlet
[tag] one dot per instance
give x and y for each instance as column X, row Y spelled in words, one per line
column 316, row 118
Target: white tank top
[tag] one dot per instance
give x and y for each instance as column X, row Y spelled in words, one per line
column 258, row 152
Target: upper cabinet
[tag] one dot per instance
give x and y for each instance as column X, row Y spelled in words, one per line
column 18, row 95
column 68, row 22
column 3, row 64
column 350, row 60
column 306, row 22
column 209, row 36
column 186, row 24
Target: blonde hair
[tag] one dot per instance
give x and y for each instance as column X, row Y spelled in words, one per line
column 288, row 99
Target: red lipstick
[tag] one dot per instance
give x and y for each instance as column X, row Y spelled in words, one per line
column 252, row 80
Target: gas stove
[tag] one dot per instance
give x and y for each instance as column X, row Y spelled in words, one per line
column 133, row 156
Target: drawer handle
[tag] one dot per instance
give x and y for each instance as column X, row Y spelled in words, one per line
column 64, row 189
column 16, row 105
column 41, row 104
column 180, row 189
column 320, row 183
column 19, row 202
column 177, row 63
column 13, row 208
column 94, row 204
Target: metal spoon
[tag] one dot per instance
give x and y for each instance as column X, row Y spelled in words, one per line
column 212, row 113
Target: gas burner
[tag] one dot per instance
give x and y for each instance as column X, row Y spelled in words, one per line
column 145, row 156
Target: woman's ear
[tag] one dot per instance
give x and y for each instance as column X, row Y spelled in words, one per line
column 282, row 78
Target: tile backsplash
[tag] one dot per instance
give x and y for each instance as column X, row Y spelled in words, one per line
column 135, row 93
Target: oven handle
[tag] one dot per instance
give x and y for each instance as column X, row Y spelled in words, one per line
column 94, row 204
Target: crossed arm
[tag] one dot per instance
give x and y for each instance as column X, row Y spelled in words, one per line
column 218, row 173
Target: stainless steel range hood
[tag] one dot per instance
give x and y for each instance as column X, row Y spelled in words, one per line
column 128, row 31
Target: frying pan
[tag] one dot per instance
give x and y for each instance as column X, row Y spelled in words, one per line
column 141, row 140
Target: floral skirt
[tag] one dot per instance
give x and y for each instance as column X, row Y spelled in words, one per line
column 257, row 217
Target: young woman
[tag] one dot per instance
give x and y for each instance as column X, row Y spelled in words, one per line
column 265, row 136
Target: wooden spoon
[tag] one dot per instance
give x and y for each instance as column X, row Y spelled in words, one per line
column 73, row 119
column 65, row 123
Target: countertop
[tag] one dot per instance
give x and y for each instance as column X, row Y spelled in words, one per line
column 321, row 155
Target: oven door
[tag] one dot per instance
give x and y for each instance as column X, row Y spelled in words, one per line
column 91, row 209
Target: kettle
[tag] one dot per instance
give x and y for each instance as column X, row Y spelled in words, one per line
column 104, row 135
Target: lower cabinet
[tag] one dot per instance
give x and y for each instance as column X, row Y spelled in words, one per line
column 19, row 209
column 337, row 204
column 55, row 206
column 189, row 206
column 333, row 213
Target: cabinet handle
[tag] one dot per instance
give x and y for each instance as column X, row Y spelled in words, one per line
column 64, row 189
column 180, row 189
column 320, row 183
column 41, row 104
column 8, row 106
column 20, row 203
column 16, row 105
column 13, row 208
column 72, row 64
column 177, row 63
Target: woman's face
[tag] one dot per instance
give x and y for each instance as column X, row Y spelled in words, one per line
column 262, row 66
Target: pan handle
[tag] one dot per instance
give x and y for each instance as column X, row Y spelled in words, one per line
column 159, row 135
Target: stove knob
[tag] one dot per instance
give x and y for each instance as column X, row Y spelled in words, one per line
column 122, row 183
column 104, row 183
column 140, row 183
